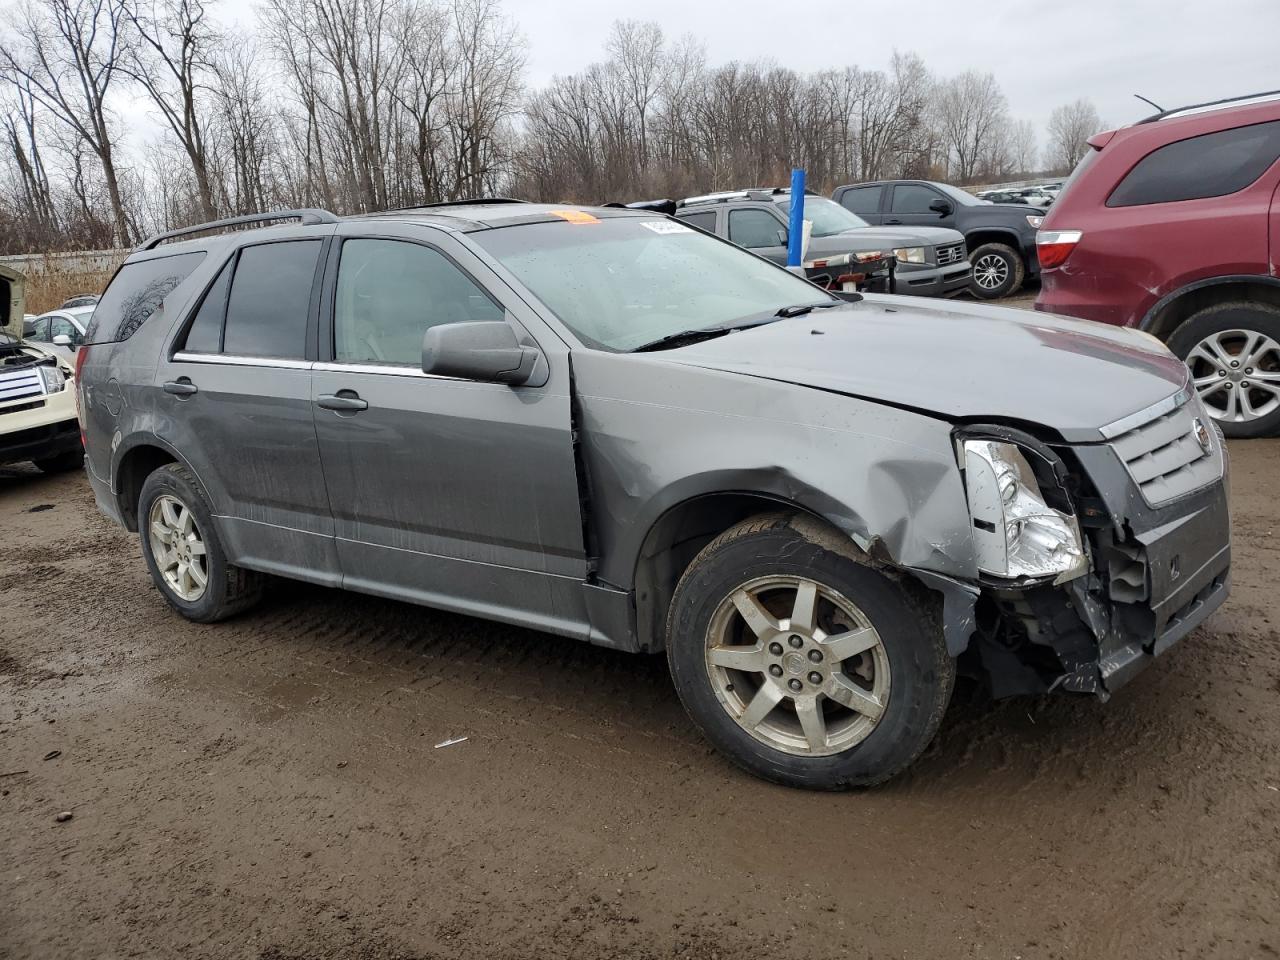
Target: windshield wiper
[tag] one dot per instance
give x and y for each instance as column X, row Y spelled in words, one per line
column 686, row 337
column 800, row 309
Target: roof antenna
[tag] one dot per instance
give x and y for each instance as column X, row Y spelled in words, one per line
column 1159, row 108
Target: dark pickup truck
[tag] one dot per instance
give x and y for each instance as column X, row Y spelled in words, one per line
column 1001, row 237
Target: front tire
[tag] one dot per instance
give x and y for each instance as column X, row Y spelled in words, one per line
column 1233, row 351
column 802, row 664
column 998, row 271
column 184, row 553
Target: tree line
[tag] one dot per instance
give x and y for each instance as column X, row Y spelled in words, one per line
column 359, row 105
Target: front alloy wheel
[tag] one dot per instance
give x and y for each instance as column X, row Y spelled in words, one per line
column 798, row 666
column 801, row 661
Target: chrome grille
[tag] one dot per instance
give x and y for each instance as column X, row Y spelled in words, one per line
column 21, row 384
column 1163, row 452
column 949, row 253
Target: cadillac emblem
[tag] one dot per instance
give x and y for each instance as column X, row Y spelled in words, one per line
column 1202, row 435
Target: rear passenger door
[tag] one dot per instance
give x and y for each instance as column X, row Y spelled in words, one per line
column 444, row 491
column 865, row 202
column 236, row 394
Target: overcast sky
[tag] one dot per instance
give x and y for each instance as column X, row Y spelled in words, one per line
column 1042, row 54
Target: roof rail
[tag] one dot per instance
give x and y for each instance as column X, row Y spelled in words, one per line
column 1212, row 105
column 308, row 217
column 469, row 202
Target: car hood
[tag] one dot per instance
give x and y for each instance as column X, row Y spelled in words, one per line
column 959, row 361
column 913, row 236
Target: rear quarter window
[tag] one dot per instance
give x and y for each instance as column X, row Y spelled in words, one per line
column 137, row 293
column 1211, row 165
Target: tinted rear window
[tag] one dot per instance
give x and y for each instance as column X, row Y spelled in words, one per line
column 703, row 221
column 862, row 200
column 136, row 294
column 1212, row 165
column 270, row 300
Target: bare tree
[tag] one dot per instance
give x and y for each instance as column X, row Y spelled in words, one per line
column 972, row 112
column 66, row 54
column 20, row 131
column 487, row 92
column 170, row 62
column 1070, row 127
column 1024, row 150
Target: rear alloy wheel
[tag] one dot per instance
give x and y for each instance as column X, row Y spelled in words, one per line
column 1233, row 352
column 997, row 271
column 801, row 662
column 182, row 549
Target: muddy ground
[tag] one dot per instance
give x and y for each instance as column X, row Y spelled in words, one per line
column 270, row 788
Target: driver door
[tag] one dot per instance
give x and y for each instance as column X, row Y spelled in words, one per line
column 444, row 491
column 761, row 232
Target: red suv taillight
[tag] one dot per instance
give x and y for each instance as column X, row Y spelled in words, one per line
column 82, row 354
column 1054, row 246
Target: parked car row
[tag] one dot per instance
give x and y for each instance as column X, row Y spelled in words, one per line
column 1172, row 226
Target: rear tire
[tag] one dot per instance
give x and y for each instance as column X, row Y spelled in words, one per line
column 1233, row 351
column 837, row 676
column 62, row 463
column 182, row 550
column 998, row 271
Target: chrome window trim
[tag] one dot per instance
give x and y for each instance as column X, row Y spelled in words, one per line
column 387, row 369
column 1157, row 409
column 232, row 360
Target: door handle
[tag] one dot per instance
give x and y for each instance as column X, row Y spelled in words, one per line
column 893, row 221
column 182, row 387
column 345, row 401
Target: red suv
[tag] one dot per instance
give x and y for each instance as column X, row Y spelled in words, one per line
column 1172, row 225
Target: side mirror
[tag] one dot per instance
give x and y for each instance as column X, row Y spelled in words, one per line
column 62, row 340
column 487, row 351
column 941, row 207
column 782, row 237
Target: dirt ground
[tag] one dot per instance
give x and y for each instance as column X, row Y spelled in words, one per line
column 271, row 787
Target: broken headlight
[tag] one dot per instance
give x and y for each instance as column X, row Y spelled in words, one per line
column 1017, row 534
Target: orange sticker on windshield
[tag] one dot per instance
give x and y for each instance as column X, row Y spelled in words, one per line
column 574, row 216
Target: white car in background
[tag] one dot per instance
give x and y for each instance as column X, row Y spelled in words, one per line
column 60, row 331
column 37, row 407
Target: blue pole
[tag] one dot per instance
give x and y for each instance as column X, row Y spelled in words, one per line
column 795, row 234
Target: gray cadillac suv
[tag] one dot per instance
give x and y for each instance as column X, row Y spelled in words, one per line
column 605, row 424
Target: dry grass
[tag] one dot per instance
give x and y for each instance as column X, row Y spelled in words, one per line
column 53, row 283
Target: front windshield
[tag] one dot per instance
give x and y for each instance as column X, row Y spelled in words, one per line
column 827, row 216
column 622, row 282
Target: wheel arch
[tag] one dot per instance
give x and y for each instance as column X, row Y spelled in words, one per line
column 677, row 536
column 1174, row 309
column 981, row 235
column 135, row 459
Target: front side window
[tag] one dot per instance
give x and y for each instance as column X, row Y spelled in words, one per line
column 40, row 330
column 626, row 281
column 755, row 228
column 391, row 291
column 912, row 198
column 270, row 300
column 1212, row 165
column 62, row 327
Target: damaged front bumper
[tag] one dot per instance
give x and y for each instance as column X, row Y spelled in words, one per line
column 1153, row 505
